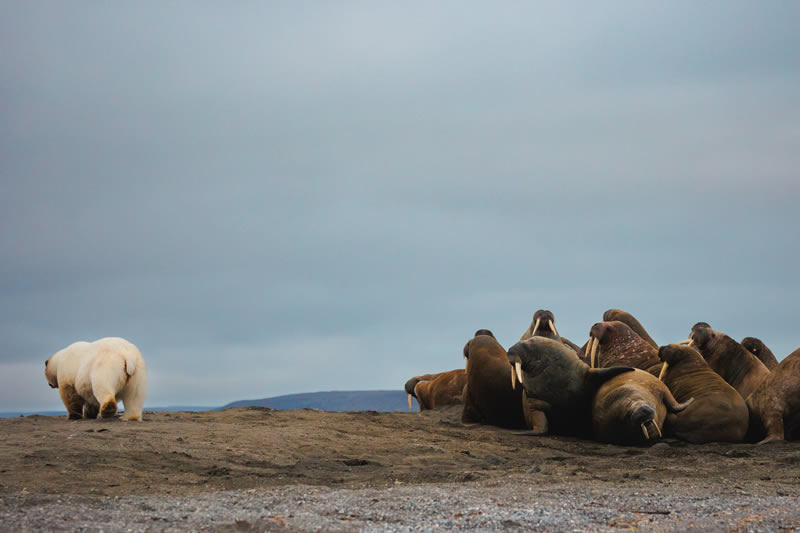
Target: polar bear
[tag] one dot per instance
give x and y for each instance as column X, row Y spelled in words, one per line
column 92, row 376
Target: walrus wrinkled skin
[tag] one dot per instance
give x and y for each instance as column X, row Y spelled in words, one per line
column 444, row 388
column 622, row 316
column 718, row 413
column 488, row 395
column 759, row 349
column 630, row 409
column 559, row 387
column 775, row 404
column 616, row 344
column 740, row 368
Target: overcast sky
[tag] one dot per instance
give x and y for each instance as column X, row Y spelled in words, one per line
column 280, row 197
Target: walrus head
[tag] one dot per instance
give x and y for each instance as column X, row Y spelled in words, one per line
column 753, row 345
column 618, row 345
column 675, row 354
column 702, row 336
column 544, row 324
column 409, row 387
column 644, row 416
column 478, row 333
column 619, row 315
column 760, row 350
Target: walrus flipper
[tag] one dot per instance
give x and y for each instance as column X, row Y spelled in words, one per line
column 774, row 426
column 672, row 404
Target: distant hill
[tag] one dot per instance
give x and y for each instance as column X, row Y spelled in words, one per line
column 370, row 400
column 10, row 414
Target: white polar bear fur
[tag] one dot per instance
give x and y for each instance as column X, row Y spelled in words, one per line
column 102, row 372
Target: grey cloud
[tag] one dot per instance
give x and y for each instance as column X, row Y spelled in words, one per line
column 227, row 185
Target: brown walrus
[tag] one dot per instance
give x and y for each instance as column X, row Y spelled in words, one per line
column 759, row 349
column 559, row 387
column 411, row 383
column 616, row 344
column 437, row 390
column 623, row 316
column 740, row 368
column 718, row 413
column 543, row 325
column 775, row 404
column 488, row 395
column 631, row 408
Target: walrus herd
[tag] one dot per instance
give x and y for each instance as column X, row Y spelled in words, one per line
column 620, row 386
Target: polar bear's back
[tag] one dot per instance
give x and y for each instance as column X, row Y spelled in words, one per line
column 112, row 347
column 109, row 361
column 70, row 359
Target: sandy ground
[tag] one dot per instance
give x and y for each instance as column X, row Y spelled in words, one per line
column 259, row 469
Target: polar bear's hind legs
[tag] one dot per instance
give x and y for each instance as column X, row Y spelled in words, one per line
column 72, row 401
column 108, row 409
column 90, row 411
column 134, row 393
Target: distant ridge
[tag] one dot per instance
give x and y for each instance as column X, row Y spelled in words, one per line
column 370, row 400
column 11, row 414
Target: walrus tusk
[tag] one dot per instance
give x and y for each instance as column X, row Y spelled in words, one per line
column 466, row 364
column 409, row 403
column 686, row 342
column 657, row 428
column 518, row 368
column 644, row 430
column 663, row 371
column 553, row 328
column 513, row 379
column 594, row 341
column 535, row 326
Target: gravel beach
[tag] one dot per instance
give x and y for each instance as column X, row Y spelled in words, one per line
column 263, row 470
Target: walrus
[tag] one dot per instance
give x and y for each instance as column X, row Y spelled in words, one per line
column 718, row 413
column 411, row 383
column 616, row 344
column 437, row 390
column 558, row 386
column 740, row 368
column 543, row 325
column 488, row 395
column 631, row 408
column 775, row 404
column 759, row 349
column 622, row 316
